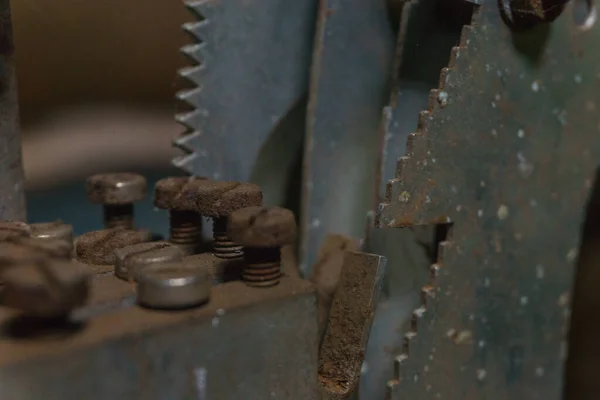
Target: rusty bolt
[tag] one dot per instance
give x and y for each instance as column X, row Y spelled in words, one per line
column 136, row 256
column 117, row 193
column 262, row 231
column 218, row 200
column 177, row 194
column 11, row 229
column 48, row 289
column 98, row 247
column 524, row 14
column 53, row 231
column 172, row 286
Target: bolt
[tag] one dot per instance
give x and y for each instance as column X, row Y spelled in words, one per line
column 11, row 229
column 218, row 200
column 177, row 194
column 47, row 289
column 131, row 258
column 117, row 193
column 524, row 14
column 53, row 231
column 98, row 247
column 172, row 286
column 262, row 231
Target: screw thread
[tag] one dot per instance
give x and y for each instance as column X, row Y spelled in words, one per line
column 223, row 246
column 186, row 230
column 263, row 266
column 118, row 216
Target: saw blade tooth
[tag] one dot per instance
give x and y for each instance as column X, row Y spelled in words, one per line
column 183, row 142
column 191, row 119
column 195, row 52
column 467, row 36
column 198, row 30
column 184, row 162
column 455, row 53
column 202, row 9
column 423, row 123
column 190, row 96
column 193, row 74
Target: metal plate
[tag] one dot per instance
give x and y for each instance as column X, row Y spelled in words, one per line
column 507, row 151
column 349, row 86
column 12, row 184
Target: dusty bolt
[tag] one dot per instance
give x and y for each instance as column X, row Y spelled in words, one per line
column 136, row 256
column 47, row 289
column 262, row 231
column 98, row 247
column 218, row 200
column 53, row 231
column 177, row 194
column 172, row 286
column 117, row 192
column 524, row 14
column 11, row 229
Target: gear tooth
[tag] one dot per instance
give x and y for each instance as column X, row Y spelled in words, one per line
column 410, row 140
column 434, row 271
column 408, row 343
column 202, row 9
column 399, row 363
column 198, row 30
column 455, row 54
column 424, row 120
column 418, row 316
column 444, row 76
column 442, row 251
column 467, row 35
column 402, row 167
column 427, row 294
column 391, row 387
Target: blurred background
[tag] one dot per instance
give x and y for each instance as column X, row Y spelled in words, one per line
column 96, row 91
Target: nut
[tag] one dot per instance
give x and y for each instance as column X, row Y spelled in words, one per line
column 98, row 247
column 176, row 193
column 172, row 286
column 262, row 227
column 117, row 189
column 216, row 199
column 131, row 258
column 46, row 290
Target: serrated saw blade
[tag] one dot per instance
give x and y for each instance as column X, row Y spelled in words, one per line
column 250, row 66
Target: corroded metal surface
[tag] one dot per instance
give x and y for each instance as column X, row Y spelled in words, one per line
column 350, row 319
column 507, row 151
column 255, row 345
column 12, row 197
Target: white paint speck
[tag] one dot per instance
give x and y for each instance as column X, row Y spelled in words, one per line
column 215, row 322
column 481, row 374
column 539, row 371
column 577, row 78
column 481, row 344
column 443, row 98
column 480, row 213
column 200, row 375
column 220, row 312
column 521, row 133
column 494, row 132
column 493, row 104
column 482, row 183
column 458, row 208
column 539, row 271
column 315, row 223
column 502, row 212
column 535, row 86
column 486, row 282
column 533, row 203
column 571, row 255
column 497, row 97
column 524, row 300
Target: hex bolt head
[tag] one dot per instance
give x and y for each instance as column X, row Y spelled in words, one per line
column 136, row 256
column 177, row 194
column 11, row 229
column 262, row 231
column 48, row 289
column 98, row 247
column 218, row 200
column 117, row 193
column 173, row 286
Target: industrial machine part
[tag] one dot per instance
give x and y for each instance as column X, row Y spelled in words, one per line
column 506, row 153
column 136, row 256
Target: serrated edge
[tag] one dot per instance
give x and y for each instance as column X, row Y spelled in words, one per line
column 428, row 292
column 195, row 52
